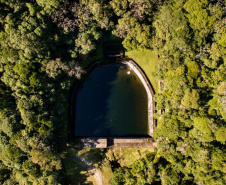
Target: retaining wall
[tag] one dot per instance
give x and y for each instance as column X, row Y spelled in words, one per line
column 95, row 142
column 150, row 94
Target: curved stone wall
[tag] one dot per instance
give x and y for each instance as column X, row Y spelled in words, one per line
column 150, row 93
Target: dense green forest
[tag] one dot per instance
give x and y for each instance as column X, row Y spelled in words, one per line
column 45, row 46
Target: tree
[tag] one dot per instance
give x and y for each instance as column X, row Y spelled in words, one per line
column 202, row 129
column 218, row 102
column 190, row 99
column 193, row 69
column 48, row 6
column 169, row 176
column 84, row 42
column 200, row 21
column 137, row 36
column 220, row 134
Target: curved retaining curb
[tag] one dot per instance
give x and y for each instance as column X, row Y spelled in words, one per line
column 150, row 94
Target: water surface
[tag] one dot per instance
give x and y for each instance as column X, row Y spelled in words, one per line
column 111, row 102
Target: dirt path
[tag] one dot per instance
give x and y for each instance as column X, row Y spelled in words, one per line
column 91, row 169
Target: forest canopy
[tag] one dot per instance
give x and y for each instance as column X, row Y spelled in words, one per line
column 43, row 48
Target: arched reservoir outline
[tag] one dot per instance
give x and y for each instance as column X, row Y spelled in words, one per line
column 138, row 135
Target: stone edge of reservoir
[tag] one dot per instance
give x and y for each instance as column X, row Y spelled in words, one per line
column 105, row 142
column 150, row 94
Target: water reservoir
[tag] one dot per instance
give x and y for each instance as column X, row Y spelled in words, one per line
column 111, row 101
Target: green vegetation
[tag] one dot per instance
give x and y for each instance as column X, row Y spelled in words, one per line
column 72, row 167
column 45, row 46
column 127, row 156
column 147, row 60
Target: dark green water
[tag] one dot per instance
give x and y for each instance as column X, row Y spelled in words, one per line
column 111, row 102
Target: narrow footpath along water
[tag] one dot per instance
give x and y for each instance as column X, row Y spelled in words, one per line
column 112, row 101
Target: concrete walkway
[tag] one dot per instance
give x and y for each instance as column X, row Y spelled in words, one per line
column 95, row 142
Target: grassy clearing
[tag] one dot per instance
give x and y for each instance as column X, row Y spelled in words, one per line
column 93, row 155
column 127, row 156
column 107, row 173
column 123, row 156
column 147, row 60
column 73, row 172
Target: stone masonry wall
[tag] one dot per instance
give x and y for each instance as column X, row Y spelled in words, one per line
column 150, row 94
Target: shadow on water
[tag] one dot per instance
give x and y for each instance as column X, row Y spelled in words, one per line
column 91, row 101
